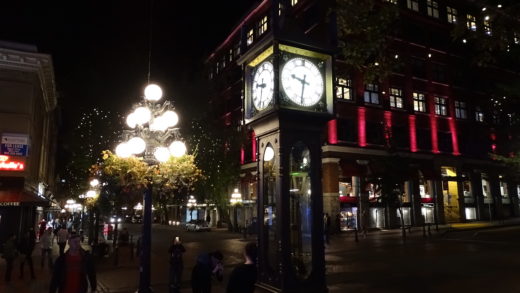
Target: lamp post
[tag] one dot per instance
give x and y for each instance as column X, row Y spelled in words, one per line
column 236, row 198
column 192, row 203
column 152, row 128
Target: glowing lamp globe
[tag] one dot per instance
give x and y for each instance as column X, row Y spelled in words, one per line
column 142, row 115
column 153, row 92
column 159, row 124
column 123, row 150
column 94, row 182
column 269, row 154
column 91, row 194
column 177, row 149
column 162, row 154
column 171, row 118
column 131, row 120
column 137, row 145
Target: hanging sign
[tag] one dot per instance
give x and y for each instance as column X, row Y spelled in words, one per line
column 14, row 144
column 8, row 165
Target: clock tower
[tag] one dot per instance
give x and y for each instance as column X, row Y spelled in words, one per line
column 288, row 100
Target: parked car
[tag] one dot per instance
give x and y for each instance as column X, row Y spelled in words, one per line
column 197, row 225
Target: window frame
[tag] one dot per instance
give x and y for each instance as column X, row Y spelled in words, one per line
column 373, row 94
column 479, row 115
column 451, row 14
column 263, row 25
column 441, row 106
column 432, row 8
column 250, row 37
column 413, row 5
column 395, row 96
column 345, row 86
column 471, row 22
column 461, row 109
column 419, row 102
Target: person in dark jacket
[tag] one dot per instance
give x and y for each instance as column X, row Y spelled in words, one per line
column 26, row 248
column 74, row 270
column 10, row 253
column 208, row 264
column 176, row 265
column 243, row 277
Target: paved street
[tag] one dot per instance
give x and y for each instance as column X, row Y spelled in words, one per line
column 484, row 260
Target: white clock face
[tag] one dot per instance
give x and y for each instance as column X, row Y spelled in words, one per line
column 302, row 82
column 263, row 85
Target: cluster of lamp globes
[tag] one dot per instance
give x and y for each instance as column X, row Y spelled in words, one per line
column 72, row 205
column 143, row 115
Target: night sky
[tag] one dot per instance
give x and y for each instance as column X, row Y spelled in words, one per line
column 100, row 48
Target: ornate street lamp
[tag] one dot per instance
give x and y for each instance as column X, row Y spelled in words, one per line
column 153, row 136
column 236, row 198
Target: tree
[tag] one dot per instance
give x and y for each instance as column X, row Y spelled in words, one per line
column 217, row 150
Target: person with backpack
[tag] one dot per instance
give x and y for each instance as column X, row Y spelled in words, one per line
column 208, row 265
column 176, row 265
column 26, row 248
column 10, row 254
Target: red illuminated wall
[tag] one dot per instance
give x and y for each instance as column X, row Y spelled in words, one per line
column 413, row 133
column 362, row 135
column 332, row 131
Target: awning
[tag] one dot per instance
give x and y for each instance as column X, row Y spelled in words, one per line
column 21, row 198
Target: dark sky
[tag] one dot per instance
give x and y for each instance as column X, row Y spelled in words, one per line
column 100, row 48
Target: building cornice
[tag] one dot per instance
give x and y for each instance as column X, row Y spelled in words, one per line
column 38, row 63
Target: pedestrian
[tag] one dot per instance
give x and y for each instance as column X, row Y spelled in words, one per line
column 338, row 223
column 73, row 271
column 124, row 237
column 243, row 277
column 46, row 247
column 176, row 265
column 26, row 248
column 208, row 265
column 63, row 234
column 69, row 225
column 208, row 219
column 326, row 227
column 41, row 226
column 9, row 254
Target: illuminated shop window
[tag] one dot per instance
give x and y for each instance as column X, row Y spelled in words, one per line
column 503, row 188
column 250, row 36
column 486, row 191
column 413, row 5
column 471, row 22
column 343, row 88
column 432, row 8
column 371, row 93
column 345, row 188
column 294, row 2
column 441, row 108
column 373, row 191
column 262, row 25
column 479, row 115
column 396, row 98
column 452, row 14
column 461, row 110
column 419, row 102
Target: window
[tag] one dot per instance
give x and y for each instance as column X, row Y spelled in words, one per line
column 392, row 1
column 294, row 2
column 250, row 36
column 441, row 106
column 262, row 25
column 396, row 98
column 503, row 187
column 438, row 72
column 343, row 88
column 471, row 22
column 487, row 26
column 452, row 14
column 486, row 191
column 371, row 94
column 479, row 115
column 460, row 110
column 516, row 39
column 433, row 8
column 419, row 102
column 230, row 55
column 236, row 50
column 418, row 67
column 412, row 4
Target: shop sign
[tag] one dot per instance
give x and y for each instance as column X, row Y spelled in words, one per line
column 8, row 165
column 9, row 204
column 14, row 145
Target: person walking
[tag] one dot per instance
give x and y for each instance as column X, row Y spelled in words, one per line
column 208, row 265
column 63, row 234
column 26, row 248
column 176, row 265
column 46, row 247
column 42, row 225
column 10, row 253
column 326, row 227
column 73, row 271
column 243, row 277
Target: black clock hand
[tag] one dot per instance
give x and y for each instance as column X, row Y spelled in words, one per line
column 303, row 87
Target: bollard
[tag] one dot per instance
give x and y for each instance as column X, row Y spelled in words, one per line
column 424, row 230
column 410, row 229
column 429, row 231
column 356, row 235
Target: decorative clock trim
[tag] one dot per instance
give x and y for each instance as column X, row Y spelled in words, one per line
column 264, row 55
column 303, row 52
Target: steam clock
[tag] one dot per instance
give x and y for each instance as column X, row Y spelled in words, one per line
column 288, row 100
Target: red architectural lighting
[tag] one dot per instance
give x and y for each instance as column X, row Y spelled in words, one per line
column 242, row 156
column 253, row 146
column 388, row 126
column 333, row 131
column 413, row 133
column 434, row 134
column 454, row 138
column 362, row 135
